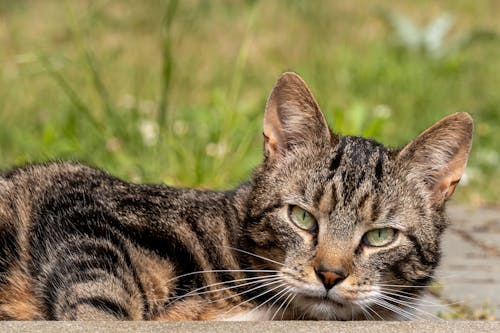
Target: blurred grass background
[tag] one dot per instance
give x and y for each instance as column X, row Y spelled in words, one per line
column 174, row 91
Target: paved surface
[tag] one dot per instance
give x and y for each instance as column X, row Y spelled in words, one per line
column 252, row 327
column 470, row 270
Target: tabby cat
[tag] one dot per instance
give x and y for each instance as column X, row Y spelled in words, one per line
column 329, row 227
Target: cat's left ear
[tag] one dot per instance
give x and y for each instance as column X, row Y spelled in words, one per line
column 292, row 117
column 439, row 155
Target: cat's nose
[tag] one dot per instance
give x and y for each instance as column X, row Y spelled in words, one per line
column 330, row 277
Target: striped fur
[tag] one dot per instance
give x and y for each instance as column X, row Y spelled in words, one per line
column 79, row 244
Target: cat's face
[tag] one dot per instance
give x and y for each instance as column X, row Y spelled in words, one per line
column 352, row 228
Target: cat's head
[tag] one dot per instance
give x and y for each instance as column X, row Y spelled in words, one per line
column 348, row 223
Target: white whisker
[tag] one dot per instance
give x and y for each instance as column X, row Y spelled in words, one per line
column 397, row 310
column 259, row 295
column 281, row 292
column 258, row 256
column 270, row 299
column 288, row 304
column 409, row 299
column 277, row 280
column 405, row 304
column 283, row 303
column 374, row 311
column 224, row 271
column 195, row 293
column 401, row 286
column 367, row 315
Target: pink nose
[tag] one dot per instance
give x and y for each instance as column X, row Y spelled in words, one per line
column 330, row 278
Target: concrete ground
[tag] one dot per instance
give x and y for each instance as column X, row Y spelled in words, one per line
column 468, row 288
column 252, row 327
column 469, row 275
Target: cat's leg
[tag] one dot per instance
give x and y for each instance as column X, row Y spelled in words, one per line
column 93, row 280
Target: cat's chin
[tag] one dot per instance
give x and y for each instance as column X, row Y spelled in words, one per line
column 325, row 308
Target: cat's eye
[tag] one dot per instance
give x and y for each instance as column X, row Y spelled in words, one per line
column 302, row 218
column 379, row 237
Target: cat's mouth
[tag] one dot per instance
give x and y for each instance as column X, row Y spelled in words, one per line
column 322, row 299
column 324, row 307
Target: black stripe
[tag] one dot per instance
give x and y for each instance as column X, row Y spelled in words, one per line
column 379, row 166
column 257, row 218
column 398, row 273
column 334, row 196
column 420, row 253
column 205, row 238
column 418, row 283
column 335, row 163
column 318, row 196
column 362, row 200
column 9, row 249
column 105, row 304
column 375, row 208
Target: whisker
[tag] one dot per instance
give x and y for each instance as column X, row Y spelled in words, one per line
column 259, row 295
column 374, row 311
column 195, row 293
column 283, row 303
column 401, row 286
column 424, row 302
column 271, row 306
column 224, row 271
column 394, row 310
column 246, row 291
column 270, row 299
column 258, row 256
column 391, row 299
column 411, row 300
column 367, row 315
column 397, row 310
column 288, row 304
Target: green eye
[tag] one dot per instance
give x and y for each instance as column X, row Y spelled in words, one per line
column 379, row 237
column 302, row 218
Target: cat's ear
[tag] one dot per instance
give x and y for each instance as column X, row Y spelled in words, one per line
column 439, row 155
column 292, row 117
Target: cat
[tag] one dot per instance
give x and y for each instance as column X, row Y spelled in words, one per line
column 329, row 227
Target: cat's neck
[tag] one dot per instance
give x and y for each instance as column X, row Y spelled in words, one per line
column 239, row 199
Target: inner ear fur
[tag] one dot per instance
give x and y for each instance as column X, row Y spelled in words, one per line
column 439, row 155
column 292, row 117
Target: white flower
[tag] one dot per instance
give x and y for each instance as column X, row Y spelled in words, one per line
column 382, row 111
column 149, row 131
column 180, row 127
column 216, row 149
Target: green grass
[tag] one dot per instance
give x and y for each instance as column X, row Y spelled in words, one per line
column 174, row 91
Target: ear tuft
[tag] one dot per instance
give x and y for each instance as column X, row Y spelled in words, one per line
column 292, row 117
column 439, row 155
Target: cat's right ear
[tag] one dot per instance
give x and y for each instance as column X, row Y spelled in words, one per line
column 293, row 117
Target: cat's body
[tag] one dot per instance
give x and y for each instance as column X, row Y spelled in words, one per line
column 329, row 227
column 76, row 229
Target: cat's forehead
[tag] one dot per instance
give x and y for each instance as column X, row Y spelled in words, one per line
column 356, row 170
column 357, row 153
column 352, row 165
column 350, row 157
